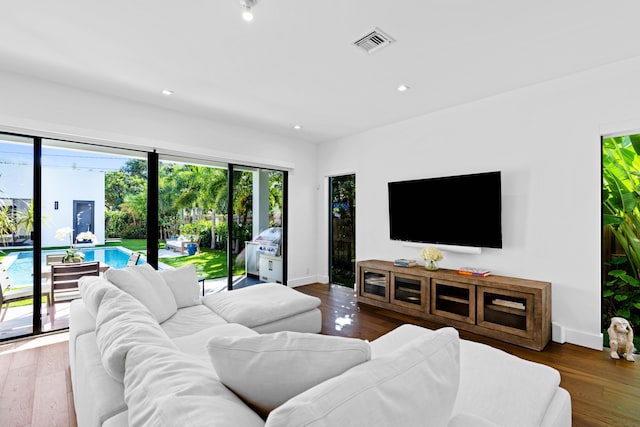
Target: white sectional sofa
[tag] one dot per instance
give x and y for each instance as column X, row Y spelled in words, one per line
column 145, row 350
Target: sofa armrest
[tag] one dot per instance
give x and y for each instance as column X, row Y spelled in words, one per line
column 81, row 322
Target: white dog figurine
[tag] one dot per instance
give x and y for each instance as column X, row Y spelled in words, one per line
column 621, row 339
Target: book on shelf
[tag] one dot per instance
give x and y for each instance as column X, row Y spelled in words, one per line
column 473, row 271
column 403, row 262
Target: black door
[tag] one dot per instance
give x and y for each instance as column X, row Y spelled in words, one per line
column 342, row 230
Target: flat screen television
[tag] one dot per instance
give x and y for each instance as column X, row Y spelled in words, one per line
column 461, row 210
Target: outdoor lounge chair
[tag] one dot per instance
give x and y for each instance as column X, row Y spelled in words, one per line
column 133, row 259
column 8, row 295
column 180, row 244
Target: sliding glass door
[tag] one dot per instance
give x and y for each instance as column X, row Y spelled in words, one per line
column 192, row 196
column 16, row 244
column 93, row 206
column 257, row 247
column 67, row 202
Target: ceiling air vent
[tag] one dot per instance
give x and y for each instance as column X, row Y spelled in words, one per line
column 374, row 41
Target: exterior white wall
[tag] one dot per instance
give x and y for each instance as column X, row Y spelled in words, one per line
column 65, row 186
column 546, row 141
column 45, row 109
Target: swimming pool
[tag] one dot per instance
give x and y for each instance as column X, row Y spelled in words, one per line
column 21, row 269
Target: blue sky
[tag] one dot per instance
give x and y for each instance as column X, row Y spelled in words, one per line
column 15, row 153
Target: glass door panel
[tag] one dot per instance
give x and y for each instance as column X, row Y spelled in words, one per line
column 16, row 227
column 257, row 243
column 192, row 218
column 94, row 208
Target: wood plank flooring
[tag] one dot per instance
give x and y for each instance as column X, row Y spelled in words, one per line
column 35, row 386
column 35, row 383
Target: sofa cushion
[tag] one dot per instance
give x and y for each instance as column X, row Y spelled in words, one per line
column 260, row 304
column 121, row 324
column 267, row 370
column 196, row 344
column 413, row 385
column 145, row 284
column 183, row 282
column 468, row 420
column 162, row 387
column 487, row 376
column 190, row 320
column 92, row 289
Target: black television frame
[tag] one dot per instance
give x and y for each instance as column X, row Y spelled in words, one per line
column 457, row 210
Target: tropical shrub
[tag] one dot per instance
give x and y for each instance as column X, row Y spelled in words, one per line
column 120, row 224
column 201, row 228
column 621, row 219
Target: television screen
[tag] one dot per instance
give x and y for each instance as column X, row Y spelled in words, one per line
column 462, row 210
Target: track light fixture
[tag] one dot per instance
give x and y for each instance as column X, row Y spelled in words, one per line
column 248, row 5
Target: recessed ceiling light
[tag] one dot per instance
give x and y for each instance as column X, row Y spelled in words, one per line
column 403, row 88
column 167, row 92
column 297, row 127
column 248, row 5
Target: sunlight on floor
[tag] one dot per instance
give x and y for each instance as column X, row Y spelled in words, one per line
column 341, row 322
column 30, row 343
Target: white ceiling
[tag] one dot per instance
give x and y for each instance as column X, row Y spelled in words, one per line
column 295, row 63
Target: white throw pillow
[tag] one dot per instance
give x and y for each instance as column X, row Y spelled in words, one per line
column 146, row 285
column 121, row 324
column 164, row 387
column 414, row 385
column 267, row 370
column 92, row 289
column 183, row 282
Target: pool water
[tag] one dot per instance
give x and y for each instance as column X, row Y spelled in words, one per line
column 21, row 269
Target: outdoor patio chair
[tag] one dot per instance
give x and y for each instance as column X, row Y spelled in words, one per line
column 8, row 295
column 64, row 279
column 133, row 259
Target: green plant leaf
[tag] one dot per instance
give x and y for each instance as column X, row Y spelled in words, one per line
column 608, row 219
column 635, row 142
column 623, row 312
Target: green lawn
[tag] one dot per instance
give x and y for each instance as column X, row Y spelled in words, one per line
column 211, row 263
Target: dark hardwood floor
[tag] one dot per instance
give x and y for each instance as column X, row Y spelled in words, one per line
column 604, row 392
column 35, row 388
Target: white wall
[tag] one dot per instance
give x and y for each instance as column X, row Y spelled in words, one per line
column 64, row 186
column 546, row 141
column 51, row 110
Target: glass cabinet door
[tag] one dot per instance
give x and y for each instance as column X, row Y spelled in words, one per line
column 410, row 291
column 374, row 284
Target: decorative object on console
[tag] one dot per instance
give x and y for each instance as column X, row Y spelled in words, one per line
column 431, row 256
column 403, row 262
column 473, row 271
column 621, row 339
